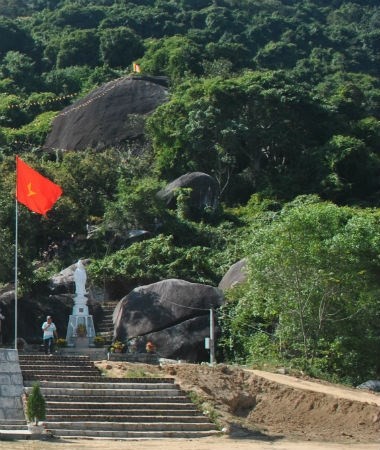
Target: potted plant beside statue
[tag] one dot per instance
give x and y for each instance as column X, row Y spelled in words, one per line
column 117, row 347
column 99, row 341
column 60, row 343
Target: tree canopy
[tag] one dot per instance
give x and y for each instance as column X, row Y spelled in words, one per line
column 278, row 100
column 313, row 293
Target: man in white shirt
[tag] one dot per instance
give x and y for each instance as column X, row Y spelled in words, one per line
column 50, row 331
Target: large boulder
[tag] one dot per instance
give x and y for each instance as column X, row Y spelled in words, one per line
column 109, row 116
column 174, row 314
column 183, row 341
column 63, row 282
column 236, row 274
column 204, row 194
column 31, row 313
column 371, row 385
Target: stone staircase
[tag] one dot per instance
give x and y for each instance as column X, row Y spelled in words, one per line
column 14, row 429
column 105, row 327
column 81, row 403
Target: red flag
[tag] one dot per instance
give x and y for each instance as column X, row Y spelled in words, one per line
column 34, row 190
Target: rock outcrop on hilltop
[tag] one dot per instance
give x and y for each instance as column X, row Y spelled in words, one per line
column 110, row 116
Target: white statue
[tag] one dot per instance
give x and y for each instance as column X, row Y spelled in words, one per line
column 80, row 278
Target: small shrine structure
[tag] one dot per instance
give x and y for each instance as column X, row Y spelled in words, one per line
column 80, row 329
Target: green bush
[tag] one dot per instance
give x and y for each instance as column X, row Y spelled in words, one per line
column 35, row 407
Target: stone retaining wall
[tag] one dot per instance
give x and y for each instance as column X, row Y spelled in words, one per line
column 144, row 358
column 98, row 354
column 11, row 386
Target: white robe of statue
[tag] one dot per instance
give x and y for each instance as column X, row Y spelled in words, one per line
column 80, row 278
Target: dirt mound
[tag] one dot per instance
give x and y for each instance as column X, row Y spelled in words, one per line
column 245, row 404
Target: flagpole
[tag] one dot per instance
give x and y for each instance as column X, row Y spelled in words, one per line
column 38, row 194
column 16, row 268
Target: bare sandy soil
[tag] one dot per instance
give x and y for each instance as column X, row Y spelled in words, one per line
column 211, row 443
column 257, row 405
column 255, row 409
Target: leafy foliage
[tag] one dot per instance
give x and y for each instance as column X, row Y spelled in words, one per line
column 312, row 282
column 119, row 47
column 156, row 259
column 35, row 407
column 253, row 129
column 275, row 99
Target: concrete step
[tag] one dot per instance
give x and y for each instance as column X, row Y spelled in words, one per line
column 11, row 430
column 106, row 319
column 11, row 425
column 131, row 435
column 121, row 410
column 94, row 417
column 109, row 393
column 53, row 371
column 16, row 435
column 58, row 365
column 130, row 400
column 107, row 380
column 58, row 358
column 60, row 375
column 128, row 426
column 146, row 358
column 107, row 334
column 107, row 315
column 110, row 306
column 60, row 372
column 110, row 384
column 130, row 407
column 29, row 379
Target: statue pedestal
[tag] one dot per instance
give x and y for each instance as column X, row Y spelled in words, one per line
column 72, row 338
column 80, row 307
column 81, row 342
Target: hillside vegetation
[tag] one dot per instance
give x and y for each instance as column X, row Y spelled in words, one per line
column 277, row 100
